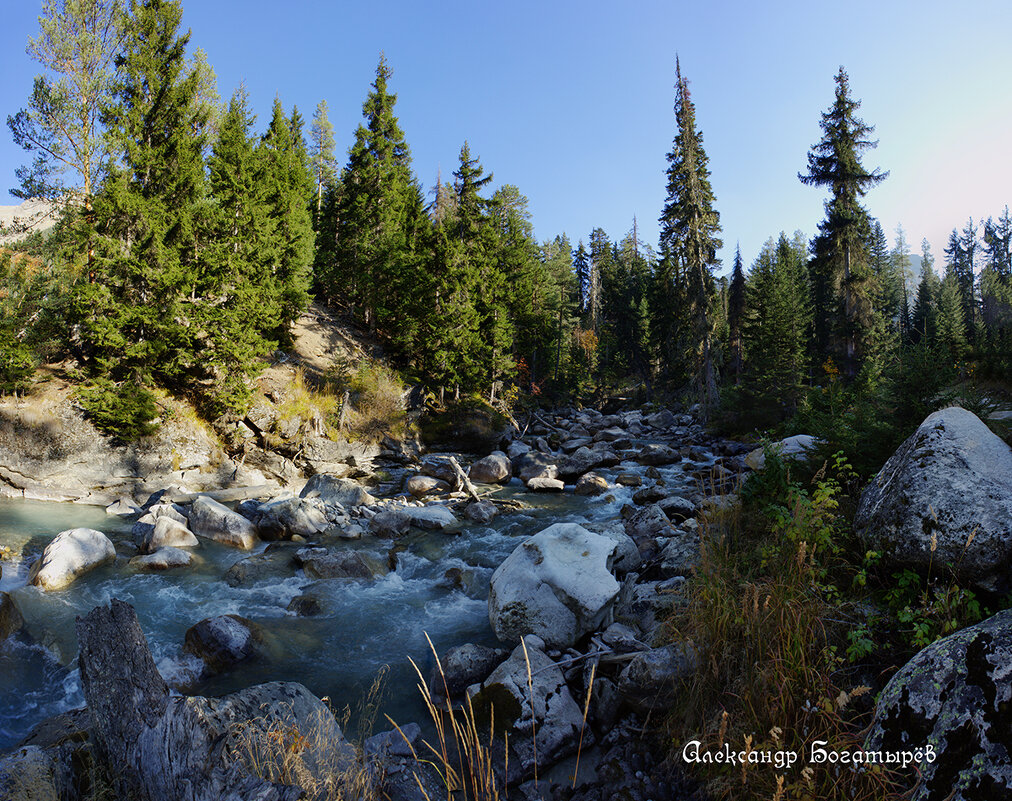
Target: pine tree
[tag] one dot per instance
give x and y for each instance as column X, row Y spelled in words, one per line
column 736, row 314
column 841, row 275
column 951, row 324
column 581, row 265
column 689, row 243
column 899, row 258
column 79, row 42
column 136, row 319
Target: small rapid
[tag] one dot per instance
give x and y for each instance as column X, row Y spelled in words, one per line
column 428, row 583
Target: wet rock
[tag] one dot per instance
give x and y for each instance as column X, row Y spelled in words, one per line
column 591, row 484
column 954, row 696
column 333, row 490
column 319, row 563
column 797, row 447
column 545, row 484
column 480, row 511
column 224, row 641
column 274, row 566
column 649, row 495
column 583, row 461
column 463, row 666
column 493, row 469
column 305, row 606
column 10, row 618
column 658, row 455
column 553, row 714
column 390, row 523
column 649, row 681
column 628, row 479
column 165, row 558
column 69, row 555
column 420, row 486
column 431, row 517
column 950, row 481
column 213, row 521
column 156, row 746
column 558, row 584
column 166, row 532
column 283, row 518
column 532, row 465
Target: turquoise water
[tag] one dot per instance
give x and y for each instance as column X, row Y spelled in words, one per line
column 364, row 625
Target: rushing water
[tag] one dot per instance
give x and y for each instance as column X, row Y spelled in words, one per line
column 363, row 627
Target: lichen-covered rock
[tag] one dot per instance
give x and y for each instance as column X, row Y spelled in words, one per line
column 493, row 469
column 954, row 696
column 214, row 521
column 539, row 733
column 71, row 554
column 951, row 479
column 558, row 584
column 29, row 774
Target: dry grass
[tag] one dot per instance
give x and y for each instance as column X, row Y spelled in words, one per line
column 769, row 678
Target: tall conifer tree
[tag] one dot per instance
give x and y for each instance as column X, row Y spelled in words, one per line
column 690, row 229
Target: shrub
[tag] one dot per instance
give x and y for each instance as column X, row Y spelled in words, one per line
column 126, row 411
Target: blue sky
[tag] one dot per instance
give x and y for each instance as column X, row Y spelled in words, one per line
column 572, row 101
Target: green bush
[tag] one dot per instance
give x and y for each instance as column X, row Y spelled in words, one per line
column 126, row 411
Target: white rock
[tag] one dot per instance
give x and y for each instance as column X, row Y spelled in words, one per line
column 796, row 447
column 557, row 584
column 71, row 554
column 212, row 520
column 493, row 469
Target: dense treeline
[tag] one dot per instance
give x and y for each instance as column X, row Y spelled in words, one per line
column 195, row 241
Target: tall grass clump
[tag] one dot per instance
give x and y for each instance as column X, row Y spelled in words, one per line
column 765, row 611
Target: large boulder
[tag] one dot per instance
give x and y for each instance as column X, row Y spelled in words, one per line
column 165, row 532
column 944, row 497
column 282, row 518
column 419, row 486
column 558, row 584
column 273, row 566
column 953, row 697
column 319, row 563
column 333, row 490
column 493, row 469
column 165, row 558
column 71, row 554
column 431, row 517
column 462, row 666
column 649, row 681
column 657, row 455
column 214, row 521
column 10, row 617
column 799, row 447
column 272, row 742
column 528, row 694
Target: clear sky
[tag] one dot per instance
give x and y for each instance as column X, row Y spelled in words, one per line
column 572, row 101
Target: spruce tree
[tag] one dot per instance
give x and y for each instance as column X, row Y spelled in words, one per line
column 237, row 292
column 735, row 314
column 581, row 265
column 379, row 212
column 288, row 191
column 923, row 317
column 841, row 275
column 689, row 243
column 136, row 318
column 950, row 322
column 321, row 153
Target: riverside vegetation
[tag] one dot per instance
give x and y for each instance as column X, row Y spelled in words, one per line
column 765, row 607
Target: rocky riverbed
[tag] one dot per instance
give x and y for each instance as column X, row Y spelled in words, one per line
column 327, row 586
